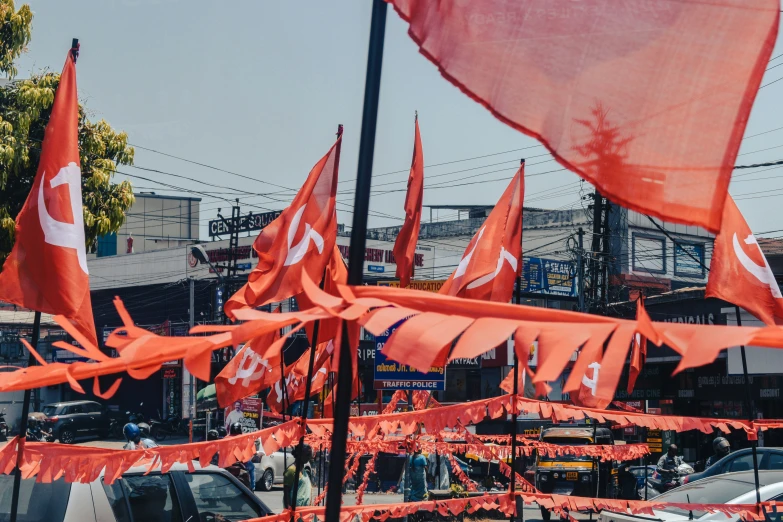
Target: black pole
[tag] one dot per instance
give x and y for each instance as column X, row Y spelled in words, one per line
column 23, row 424
column 285, row 400
column 372, row 88
column 748, row 402
column 308, row 389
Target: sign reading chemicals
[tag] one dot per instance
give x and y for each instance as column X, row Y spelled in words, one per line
column 391, row 375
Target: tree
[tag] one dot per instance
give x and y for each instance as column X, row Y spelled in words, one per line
column 25, row 107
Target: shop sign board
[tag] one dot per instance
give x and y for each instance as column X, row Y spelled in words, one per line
column 249, row 414
column 391, row 375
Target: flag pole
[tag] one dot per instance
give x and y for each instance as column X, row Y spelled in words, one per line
column 23, row 424
column 754, row 443
column 514, row 414
column 361, row 206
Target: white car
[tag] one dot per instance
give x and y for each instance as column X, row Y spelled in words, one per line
column 272, row 467
column 209, row 494
column 731, row 488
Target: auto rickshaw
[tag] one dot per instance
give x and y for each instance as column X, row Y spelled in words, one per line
column 581, row 476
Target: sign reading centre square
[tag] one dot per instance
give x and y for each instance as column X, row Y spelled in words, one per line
column 391, row 375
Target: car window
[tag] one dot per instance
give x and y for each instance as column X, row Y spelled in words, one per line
column 775, row 461
column 743, row 463
column 36, row 501
column 214, row 493
column 49, row 410
column 150, row 498
column 73, row 409
column 92, row 407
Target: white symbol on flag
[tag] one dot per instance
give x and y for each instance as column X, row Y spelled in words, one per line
column 296, row 253
column 505, row 255
column 589, row 383
column 59, row 233
column 762, row 273
column 249, row 370
column 462, row 267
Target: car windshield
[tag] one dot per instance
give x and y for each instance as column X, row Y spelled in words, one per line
column 565, row 441
column 49, row 410
column 36, row 501
column 707, row 491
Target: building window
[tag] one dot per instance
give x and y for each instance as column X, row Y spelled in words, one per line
column 689, row 259
column 649, row 254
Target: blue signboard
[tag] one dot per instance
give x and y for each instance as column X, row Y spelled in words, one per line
column 375, row 268
column 549, row 277
column 243, row 266
column 689, row 259
column 391, row 375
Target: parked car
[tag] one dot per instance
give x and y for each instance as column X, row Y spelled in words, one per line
column 207, row 494
column 271, row 468
column 741, row 460
column 69, row 420
column 731, row 488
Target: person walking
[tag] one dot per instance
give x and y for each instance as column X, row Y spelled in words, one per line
column 418, row 470
column 304, row 491
column 235, row 430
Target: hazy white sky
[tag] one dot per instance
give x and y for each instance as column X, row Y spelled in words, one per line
column 258, row 87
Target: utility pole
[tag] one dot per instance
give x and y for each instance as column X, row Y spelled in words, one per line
column 580, row 267
column 600, row 251
column 191, row 379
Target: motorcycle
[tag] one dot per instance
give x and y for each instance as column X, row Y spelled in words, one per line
column 160, row 429
column 116, row 425
column 659, row 485
column 36, row 433
column 3, row 427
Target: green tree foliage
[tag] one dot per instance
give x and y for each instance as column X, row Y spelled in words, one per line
column 25, row 107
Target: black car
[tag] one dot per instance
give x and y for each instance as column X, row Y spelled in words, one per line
column 69, row 420
column 741, row 460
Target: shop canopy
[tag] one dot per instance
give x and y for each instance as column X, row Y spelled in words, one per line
column 206, row 398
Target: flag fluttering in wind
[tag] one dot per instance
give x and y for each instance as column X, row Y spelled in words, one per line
column 739, row 272
column 300, row 239
column 249, row 371
column 405, row 244
column 665, row 143
column 491, row 260
column 47, row 268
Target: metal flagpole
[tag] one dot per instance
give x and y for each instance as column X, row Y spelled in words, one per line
column 23, row 424
column 514, row 414
column 361, row 207
column 750, row 411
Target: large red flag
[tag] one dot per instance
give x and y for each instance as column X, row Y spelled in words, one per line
column 491, row 260
column 739, row 272
column 301, row 238
column 405, row 244
column 646, row 100
column 47, row 268
column 249, row 371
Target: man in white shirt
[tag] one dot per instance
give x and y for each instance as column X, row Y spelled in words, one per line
column 234, row 415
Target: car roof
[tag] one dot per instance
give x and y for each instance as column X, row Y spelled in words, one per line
column 66, row 403
column 766, row 477
column 176, row 467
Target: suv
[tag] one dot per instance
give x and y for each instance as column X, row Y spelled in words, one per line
column 69, row 420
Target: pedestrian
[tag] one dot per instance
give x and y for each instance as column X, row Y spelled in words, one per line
column 418, row 470
column 133, row 435
column 304, row 492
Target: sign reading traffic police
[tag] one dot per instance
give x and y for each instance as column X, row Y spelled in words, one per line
column 391, row 375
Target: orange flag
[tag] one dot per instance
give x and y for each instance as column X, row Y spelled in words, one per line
column 664, row 144
column 739, row 272
column 405, row 244
column 47, row 268
column 492, row 259
column 336, row 274
column 300, row 239
column 249, row 371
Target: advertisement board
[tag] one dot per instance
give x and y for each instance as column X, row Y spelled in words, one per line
column 549, row 276
column 248, row 412
column 391, row 375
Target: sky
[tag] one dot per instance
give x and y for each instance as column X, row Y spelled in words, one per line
column 257, row 88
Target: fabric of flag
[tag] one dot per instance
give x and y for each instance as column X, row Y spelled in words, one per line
column 492, row 259
column 739, row 272
column 647, row 100
column 46, row 270
column 405, row 244
column 300, row 239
